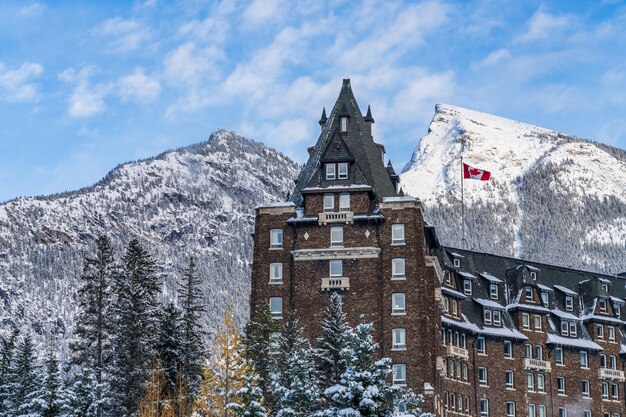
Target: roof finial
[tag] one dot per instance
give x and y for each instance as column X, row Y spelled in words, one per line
column 346, row 84
column 368, row 116
column 323, row 119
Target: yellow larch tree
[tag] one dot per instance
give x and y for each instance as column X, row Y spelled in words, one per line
column 224, row 374
column 160, row 401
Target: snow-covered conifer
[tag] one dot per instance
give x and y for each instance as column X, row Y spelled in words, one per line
column 335, row 331
column 169, row 344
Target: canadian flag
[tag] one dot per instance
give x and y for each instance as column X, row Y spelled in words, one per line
column 475, row 173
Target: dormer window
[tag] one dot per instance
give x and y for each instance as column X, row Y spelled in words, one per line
column 605, row 287
column 569, row 303
column 533, row 275
column 457, row 263
column 602, row 305
column 330, row 172
column 529, row 293
column 343, row 122
column 342, row 170
column 618, row 310
column 493, row 291
column 544, row 298
column 467, row 287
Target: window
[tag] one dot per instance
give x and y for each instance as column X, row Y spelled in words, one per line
column 397, row 268
column 533, row 275
column 538, row 352
column 276, row 307
column 336, row 268
column 602, row 305
column 542, row 410
column 276, row 272
column 480, row 345
column 528, row 351
column 544, row 298
column 482, row 376
column 397, row 233
column 525, row 320
column 510, row 409
column 569, row 303
column 399, row 374
column 602, row 360
column 336, row 236
column 614, row 392
column 398, row 303
column 455, row 308
column 344, row 202
column 531, row 410
column 508, row 379
column 558, row 356
column 612, row 362
column 573, row 329
column 457, row 263
column 605, row 390
column 446, row 304
column 537, row 320
column 467, row 405
column 487, row 316
column 329, row 202
column 529, row 293
column 584, row 361
column 530, row 381
column 330, row 172
column 497, row 321
column 467, row 287
column 464, row 374
column 611, row 333
column 560, row 385
column 344, row 124
column 342, row 170
column 600, row 331
column 562, row 412
column 399, row 339
column 618, row 310
column 493, row 291
column 585, row 388
column 605, row 287
column 587, row 413
column 276, row 238
column 540, row 383
column 564, row 328
column 484, row 407
column 508, row 349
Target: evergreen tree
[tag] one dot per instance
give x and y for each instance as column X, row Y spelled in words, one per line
column 80, row 397
column 169, row 344
column 25, row 382
column 335, row 334
column 257, row 346
column 48, row 399
column 364, row 388
column 136, row 312
column 248, row 400
column 224, row 374
column 7, row 376
column 93, row 327
column 191, row 334
column 294, row 379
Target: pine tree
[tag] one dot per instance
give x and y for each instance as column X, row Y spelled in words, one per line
column 364, row 388
column 294, row 378
column 257, row 346
column 7, row 376
column 48, row 399
column 169, row 344
column 93, row 327
column 224, row 374
column 248, row 400
column 191, row 334
column 335, row 333
column 136, row 312
column 80, row 397
column 25, row 382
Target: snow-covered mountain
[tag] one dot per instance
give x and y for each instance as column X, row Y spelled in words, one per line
column 197, row 200
column 552, row 198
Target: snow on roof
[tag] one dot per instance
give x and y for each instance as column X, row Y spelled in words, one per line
column 604, row 280
column 617, row 300
column 488, row 303
column 572, row 342
column 453, row 293
column 565, row 290
column 466, row 274
column 457, row 255
column 525, row 306
column 544, row 287
column 564, row 315
column 592, row 316
column 368, row 216
column 489, row 277
column 399, row 199
column 503, row 332
column 532, row 268
column 276, row 204
column 338, row 187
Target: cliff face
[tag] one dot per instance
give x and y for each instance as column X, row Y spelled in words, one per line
column 552, row 198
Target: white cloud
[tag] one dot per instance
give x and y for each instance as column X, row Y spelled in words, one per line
column 125, row 35
column 261, row 12
column 496, row 57
column 138, row 87
column 188, row 64
column 18, row 85
column 543, row 25
column 32, row 10
column 85, row 100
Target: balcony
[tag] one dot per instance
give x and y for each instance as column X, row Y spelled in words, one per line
column 457, row 352
column 340, row 283
column 537, row 365
column 605, row 373
column 335, row 217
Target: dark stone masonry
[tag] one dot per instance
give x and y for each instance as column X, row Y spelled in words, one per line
column 476, row 334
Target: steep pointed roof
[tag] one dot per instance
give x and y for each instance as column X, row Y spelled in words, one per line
column 323, row 119
column 368, row 159
column 368, row 116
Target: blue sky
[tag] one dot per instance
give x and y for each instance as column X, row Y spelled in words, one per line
column 87, row 85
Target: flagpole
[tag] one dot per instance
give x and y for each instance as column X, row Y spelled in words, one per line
column 462, row 206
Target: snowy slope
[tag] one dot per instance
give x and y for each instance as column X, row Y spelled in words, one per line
column 553, row 197
column 195, row 201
